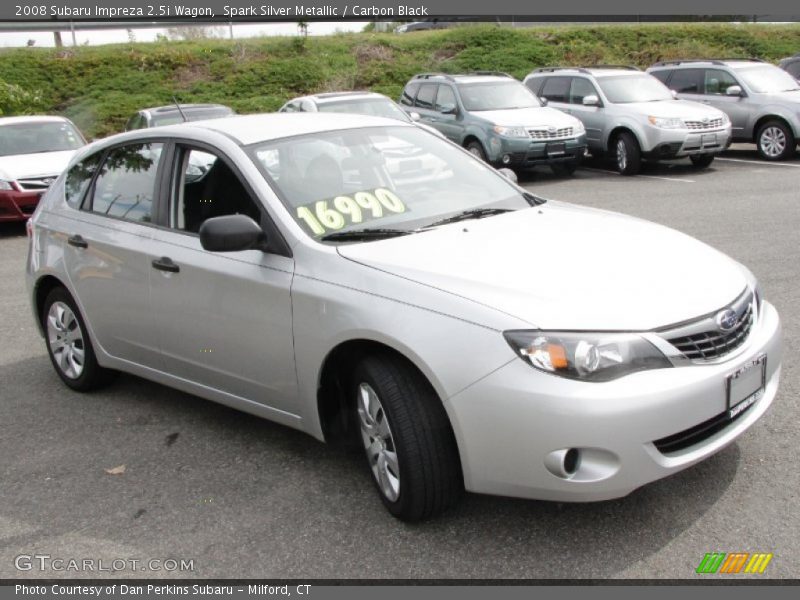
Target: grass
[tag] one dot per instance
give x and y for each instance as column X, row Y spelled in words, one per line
column 99, row 87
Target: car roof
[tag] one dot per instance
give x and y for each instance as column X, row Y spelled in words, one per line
column 598, row 71
column 172, row 108
column 32, row 119
column 734, row 63
column 331, row 97
column 462, row 77
column 250, row 129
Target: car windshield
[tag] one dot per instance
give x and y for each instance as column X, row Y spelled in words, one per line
column 173, row 118
column 400, row 177
column 379, row 107
column 494, row 95
column 767, row 79
column 624, row 89
column 34, row 138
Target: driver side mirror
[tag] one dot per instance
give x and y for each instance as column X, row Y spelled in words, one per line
column 674, row 94
column 543, row 100
column 231, row 233
column 414, row 116
column 734, row 90
column 591, row 100
column 448, row 109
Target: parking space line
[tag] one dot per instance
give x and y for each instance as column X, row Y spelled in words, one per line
column 761, row 162
column 678, row 179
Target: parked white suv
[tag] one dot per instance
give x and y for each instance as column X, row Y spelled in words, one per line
column 33, row 152
column 632, row 116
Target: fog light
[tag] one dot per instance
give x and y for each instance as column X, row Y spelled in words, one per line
column 506, row 159
column 563, row 463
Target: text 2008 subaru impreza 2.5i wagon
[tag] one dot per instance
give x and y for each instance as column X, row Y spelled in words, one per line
column 352, row 275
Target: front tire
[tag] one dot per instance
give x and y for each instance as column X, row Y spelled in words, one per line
column 68, row 344
column 410, row 447
column 775, row 141
column 701, row 161
column 627, row 153
column 476, row 149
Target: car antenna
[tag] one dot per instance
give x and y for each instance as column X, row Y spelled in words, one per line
column 180, row 110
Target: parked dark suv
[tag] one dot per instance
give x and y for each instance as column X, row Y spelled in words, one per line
column 497, row 119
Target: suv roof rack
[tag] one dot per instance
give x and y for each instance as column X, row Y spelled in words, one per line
column 713, row 61
column 624, row 67
column 554, row 69
column 492, row 73
column 429, row 75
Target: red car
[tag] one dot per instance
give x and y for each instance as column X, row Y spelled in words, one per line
column 33, row 152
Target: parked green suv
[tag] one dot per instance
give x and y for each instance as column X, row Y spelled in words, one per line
column 497, row 118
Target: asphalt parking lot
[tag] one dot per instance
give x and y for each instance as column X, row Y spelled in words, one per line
column 242, row 497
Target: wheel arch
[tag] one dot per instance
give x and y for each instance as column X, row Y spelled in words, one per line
column 612, row 136
column 43, row 286
column 763, row 119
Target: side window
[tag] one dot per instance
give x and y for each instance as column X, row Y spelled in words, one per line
column 662, row 76
column 579, row 89
column 78, row 179
column 445, row 99
column 686, row 81
column 793, row 68
column 126, row 183
column 135, row 122
column 409, row 93
column 290, row 107
column 556, row 89
column 205, row 186
column 427, row 92
column 535, row 84
column 718, row 81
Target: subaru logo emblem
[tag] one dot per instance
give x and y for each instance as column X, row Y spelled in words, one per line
column 551, row 130
column 705, row 120
column 726, row 319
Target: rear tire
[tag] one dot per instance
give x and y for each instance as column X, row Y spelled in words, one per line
column 775, row 141
column 627, row 154
column 701, row 161
column 476, row 149
column 68, row 344
column 410, row 447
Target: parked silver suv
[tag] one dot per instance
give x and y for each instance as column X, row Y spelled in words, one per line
column 762, row 101
column 631, row 116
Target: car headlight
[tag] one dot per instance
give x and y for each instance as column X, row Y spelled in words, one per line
column 666, row 122
column 579, row 128
column 6, row 185
column 516, row 132
column 725, row 119
column 586, row 356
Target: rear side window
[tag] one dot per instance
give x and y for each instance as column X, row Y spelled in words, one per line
column 687, row 81
column 78, row 179
column 426, row 94
column 662, row 76
column 556, row 89
column 718, row 81
column 126, row 183
column 409, row 93
column 793, row 68
column 534, row 84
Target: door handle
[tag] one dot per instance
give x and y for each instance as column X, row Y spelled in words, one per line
column 77, row 241
column 165, row 264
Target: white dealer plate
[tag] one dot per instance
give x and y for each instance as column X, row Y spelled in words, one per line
column 745, row 385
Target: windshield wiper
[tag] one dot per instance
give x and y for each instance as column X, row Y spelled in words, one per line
column 363, row 234
column 533, row 200
column 475, row 213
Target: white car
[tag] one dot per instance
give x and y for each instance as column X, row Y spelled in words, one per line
column 470, row 334
column 33, row 152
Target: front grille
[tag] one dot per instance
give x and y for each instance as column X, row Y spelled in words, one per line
column 550, row 134
column 710, row 124
column 699, row 433
column 36, row 184
column 713, row 344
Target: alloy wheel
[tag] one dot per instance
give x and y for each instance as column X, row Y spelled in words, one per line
column 66, row 340
column 378, row 442
column 622, row 155
column 773, row 141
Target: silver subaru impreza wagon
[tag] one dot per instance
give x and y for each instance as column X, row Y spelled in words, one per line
column 355, row 277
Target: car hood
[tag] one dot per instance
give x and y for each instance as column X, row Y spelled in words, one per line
column 41, row 164
column 783, row 97
column 560, row 266
column 528, row 117
column 682, row 109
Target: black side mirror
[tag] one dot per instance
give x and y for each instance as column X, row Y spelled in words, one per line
column 449, row 109
column 231, row 233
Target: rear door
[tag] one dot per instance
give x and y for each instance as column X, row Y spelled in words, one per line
column 448, row 122
column 592, row 117
column 224, row 318
column 424, row 105
column 107, row 248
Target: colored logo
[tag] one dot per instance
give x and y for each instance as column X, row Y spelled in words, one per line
column 734, row 562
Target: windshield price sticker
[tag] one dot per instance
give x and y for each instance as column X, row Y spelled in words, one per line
column 325, row 216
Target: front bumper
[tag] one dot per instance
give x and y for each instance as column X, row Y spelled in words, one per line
column 665, row 144
column 17, row 206
column 510, row 423
column 525, row 152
